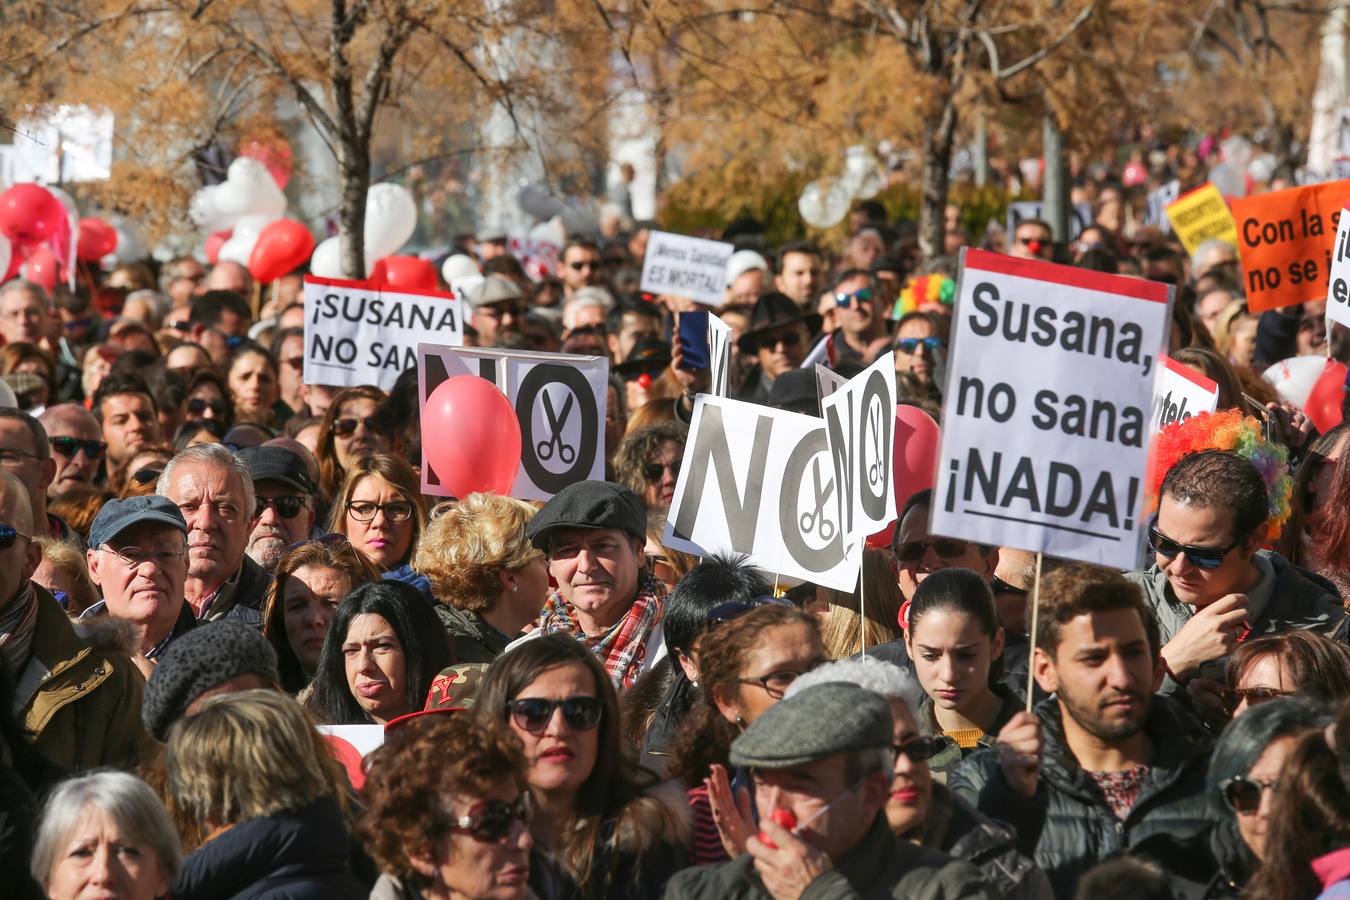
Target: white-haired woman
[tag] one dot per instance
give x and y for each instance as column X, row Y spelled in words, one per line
column 920, row 809
column 105, row 834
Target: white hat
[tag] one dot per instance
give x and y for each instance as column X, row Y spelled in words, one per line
column 743, row 261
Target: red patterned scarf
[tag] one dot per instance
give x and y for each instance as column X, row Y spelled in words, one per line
column 624, row 645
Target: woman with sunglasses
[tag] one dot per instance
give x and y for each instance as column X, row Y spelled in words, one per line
column 596, row 817
column 346, row 434
column 383, row 649
column 253, row 380
column 648, row 461
column 448, row 813
column 209, row 400
column 142, row 471
column 311, row 580
column 1300, row 663
column 922, row 810
column 381, row 511
column 955, row 643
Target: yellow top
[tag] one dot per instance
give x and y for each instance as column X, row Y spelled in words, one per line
column 967, row 738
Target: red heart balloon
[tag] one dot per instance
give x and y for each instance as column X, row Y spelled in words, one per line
column 282, row 247
column 411, row 272
column 97, row 239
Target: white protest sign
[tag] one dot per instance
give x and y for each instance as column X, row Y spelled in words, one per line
column 760, row 481
column 560, row 401
column 538, row 257
column 719, row 355
column 1338, row 289
column 1080, row 216
column 1045, row 424
column 1155, row 207
column 1181, row 392
column 860, row 429
column 686, row 267
column 360, row 333
column 827, row 382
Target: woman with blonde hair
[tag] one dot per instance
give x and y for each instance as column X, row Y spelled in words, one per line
column 867, row 618
column 64, row 572
column 380, row 509
column 1235, row 334
column 488, row 579
column 254, row 780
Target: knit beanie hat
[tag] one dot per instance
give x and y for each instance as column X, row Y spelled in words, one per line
column 203, row 658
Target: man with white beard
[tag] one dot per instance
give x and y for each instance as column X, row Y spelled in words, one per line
column 285, row 512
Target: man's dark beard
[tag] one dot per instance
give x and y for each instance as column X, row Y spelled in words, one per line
column 1089, row 718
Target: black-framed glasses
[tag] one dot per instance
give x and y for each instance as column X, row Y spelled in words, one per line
column 653, row 471
column 1243, row 794
column 775, row 684
column 490, row 821
column 501, row 311
column 862, row 295
column 70, row 446
column 394, row 510
column 9, row 534
column 911, row 345
column 923, row 747
column 13, row 456
column 532, row 714
column 787, row 339
column 145, row 476
column 197, row 407
column 583, row 264
column 346, row 426
column 1207, row 558
column 288, row 507
column 734, row 609
column 947, row 548
column 999, row 586
column 135, row 557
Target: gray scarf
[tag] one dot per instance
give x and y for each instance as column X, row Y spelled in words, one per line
column 18, row 622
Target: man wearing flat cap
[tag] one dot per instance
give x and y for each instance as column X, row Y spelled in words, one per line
column 284, row 508
column 498, row 309
column 825, row 757
column 593, row 533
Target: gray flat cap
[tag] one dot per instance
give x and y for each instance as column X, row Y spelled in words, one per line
column 829, row 718
column 494, row 289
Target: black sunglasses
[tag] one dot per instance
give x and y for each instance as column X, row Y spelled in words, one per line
column 1244, row 794
column 1207, row 558
column 734, row 609
column 70, row 446
column 145, row 476
column 490, row 822
column 532, row 714
column 947, row 548
column 654, row 471
column 923, row 747
column 787, row 339
column 287, row 507
column 8, row 535
column 344, row 427
column 198, row 405
column 999, row 586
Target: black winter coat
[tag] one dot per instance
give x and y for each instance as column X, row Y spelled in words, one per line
column 1067, row 826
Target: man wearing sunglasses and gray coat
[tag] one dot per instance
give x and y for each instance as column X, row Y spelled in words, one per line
column 1211, row 585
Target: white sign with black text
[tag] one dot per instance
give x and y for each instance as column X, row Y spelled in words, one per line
column 560, row 401
column 359, row 333
column 860, row 428
column 686, row 267
column 1338, row 288
column 1181, row 392
column 719, row 356
column 1045, row 426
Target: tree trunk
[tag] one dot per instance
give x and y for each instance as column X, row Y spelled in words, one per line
column 937, row 162
column 354, row 174
column 1055, row 187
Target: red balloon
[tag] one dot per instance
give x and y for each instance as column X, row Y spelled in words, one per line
column 283, row 246
column 41, row 266
column 97, row 239
column 1323, row 405
column 411, row 272
column 214, row 241
column 31, row 215
column 274, row 153
column 916, row 453
column 471, row 436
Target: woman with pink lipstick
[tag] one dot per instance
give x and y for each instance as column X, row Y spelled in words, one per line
column 596, row 814
column 381, row 511
column 384, row 647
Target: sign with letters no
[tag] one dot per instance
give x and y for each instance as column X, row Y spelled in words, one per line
column 860, row 426
column 1045, row 425
column 559, row 399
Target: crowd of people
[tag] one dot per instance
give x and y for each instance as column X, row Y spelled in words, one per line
column 208, row 566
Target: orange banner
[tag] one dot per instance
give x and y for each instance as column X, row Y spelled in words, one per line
column 1285, row 240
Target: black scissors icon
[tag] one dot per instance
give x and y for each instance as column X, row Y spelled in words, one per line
column 545, row 449
column 874, row 471
column 815, row 520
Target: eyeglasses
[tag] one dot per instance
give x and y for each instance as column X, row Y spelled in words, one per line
column 198, row 405
column 394, row 511
column 135, row 557
column 584, row 264
column 12, row 456
column 947, row 548
column 911, row 345
column 295, row 362
column 734, row 609
column 1254, row 696
column 1244, row 794
column 70, row 446
column 923, row 747
column 1207, row 558
column 490, row 822
column 179, row 325
column 999, row 586
column 344, row 427
column 145, row 476
column 8, row 534
column 532, row 714
column 775, row 684
column 863, row 295
column 514, row 310
column 288, row 507
column 653, row 471
column 786, row 339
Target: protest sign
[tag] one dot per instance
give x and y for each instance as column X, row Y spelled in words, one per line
column 1201, row 215
column 1080, row 216
column 560, row 401
column 1285, row 242
column 1181, row 392
column 1338, row 289
column 828, row 381
column 686, row 267
column 1044, row 429
column 760, row 481
column 538, row 257
column 719, row 355
column 860, row 429
column 1155, row 206
column 360, row 333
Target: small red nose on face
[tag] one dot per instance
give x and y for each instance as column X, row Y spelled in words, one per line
column 644, row 381
column 1035, row 247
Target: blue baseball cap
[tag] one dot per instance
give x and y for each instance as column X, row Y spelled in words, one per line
column 117, row 516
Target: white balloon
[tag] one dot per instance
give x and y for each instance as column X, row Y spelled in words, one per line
column 204, row 212
column 249, row 190
column 326, row 262
column 823, row 203
column 1236, row 151
column 538, row 202
column 549, row 232
column 246, row 231
column 458, row 266
column 391, row 218
column 1293, row 378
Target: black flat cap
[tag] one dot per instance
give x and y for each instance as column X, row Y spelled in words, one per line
column 277, row 464
column 589, row 504
column 835, row 717
column 118, row 515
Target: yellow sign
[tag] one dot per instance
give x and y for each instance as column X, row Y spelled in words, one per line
column 1202, row 215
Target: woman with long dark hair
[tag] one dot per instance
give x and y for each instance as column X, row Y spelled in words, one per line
column 1317, row 535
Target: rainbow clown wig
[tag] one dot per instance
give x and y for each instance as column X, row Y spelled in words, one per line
column 1230, row 431
column 924, row 292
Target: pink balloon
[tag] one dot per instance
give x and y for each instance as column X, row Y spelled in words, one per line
column 214, row 241
column 41, row 266
column 916, row 453
column 471, row 436
column 273, row 152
